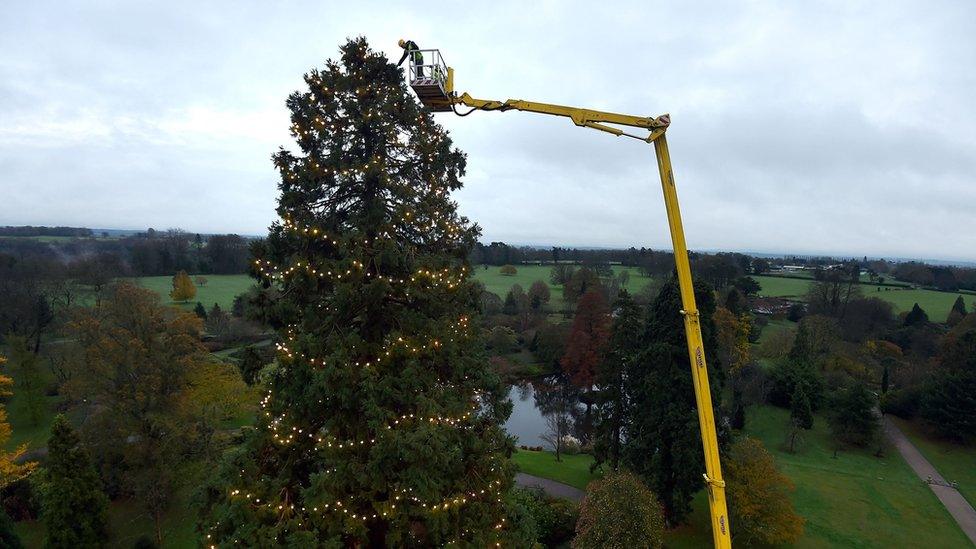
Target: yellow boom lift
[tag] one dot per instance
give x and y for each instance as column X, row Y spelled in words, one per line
column 433, row 82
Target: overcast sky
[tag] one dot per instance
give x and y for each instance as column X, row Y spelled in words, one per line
column 803, row 127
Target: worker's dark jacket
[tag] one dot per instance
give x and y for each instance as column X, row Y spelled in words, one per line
column 411, row 49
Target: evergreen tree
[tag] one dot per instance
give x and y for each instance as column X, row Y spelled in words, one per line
column 786, row 375
column 622, row 350
column 662, row 437
column 73, row 505
column 200, row 311
column 250, row 364
column 217, row 320
column 916, row 316
column 382, row 426
column 737, row 418
column 852, row 418
column 801, row 414
column 957, row 313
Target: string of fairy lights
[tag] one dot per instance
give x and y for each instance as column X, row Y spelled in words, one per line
column 444, row 277
column 423, row 187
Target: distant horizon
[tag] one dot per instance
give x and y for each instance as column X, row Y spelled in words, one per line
column 541, row 246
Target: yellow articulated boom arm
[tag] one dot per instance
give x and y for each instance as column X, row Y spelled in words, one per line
column 440, row 96
column 581, row 117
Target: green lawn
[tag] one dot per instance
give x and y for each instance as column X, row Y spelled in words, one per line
column 221, row 289
column 573, row 470
column 499, row 284
column 936, row 304
column 953, row 461
column 776, row 286
column 857, row 499
column 774, row 326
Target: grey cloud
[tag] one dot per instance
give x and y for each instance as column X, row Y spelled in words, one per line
column 824, row 128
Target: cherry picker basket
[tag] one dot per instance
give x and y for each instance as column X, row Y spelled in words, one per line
column 430, row 79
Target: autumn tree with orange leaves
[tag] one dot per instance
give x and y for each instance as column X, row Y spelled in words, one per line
column 587, row 339
column 759, row 497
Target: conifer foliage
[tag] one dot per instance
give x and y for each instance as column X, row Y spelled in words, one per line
column 382, row 424
column 663, row 441
column 73, row 502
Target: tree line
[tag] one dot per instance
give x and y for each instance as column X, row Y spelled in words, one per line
column 150, row 253
column 28, row 230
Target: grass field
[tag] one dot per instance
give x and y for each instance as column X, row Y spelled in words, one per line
column 221, row 289
column 936, row 304
column 499, row 284
column 857, row 499
column 774, row 326
column 953, row 461
column 572, row 470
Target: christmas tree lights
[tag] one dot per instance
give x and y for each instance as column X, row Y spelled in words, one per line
column 381, row 425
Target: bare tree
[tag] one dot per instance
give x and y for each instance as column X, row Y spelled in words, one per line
column 557, row 426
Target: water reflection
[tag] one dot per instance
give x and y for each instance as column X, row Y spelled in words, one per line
column 541, row 399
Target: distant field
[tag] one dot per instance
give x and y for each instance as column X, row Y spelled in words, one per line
column 954, row 462
column 936, row 304
column 499, row 284
column 220, row 289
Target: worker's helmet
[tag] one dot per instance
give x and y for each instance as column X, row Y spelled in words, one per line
column 402, row 42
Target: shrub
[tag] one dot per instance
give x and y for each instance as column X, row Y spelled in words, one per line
column 619, row 512
column 554, row 518
column 571, row 445
column 502, row 340
column 508, row 270
column 903, row 403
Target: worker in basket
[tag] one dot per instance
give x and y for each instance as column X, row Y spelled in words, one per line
column 410, row 48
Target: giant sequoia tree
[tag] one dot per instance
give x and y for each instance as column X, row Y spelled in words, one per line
column 662, row 437
column 382, row 424
column 73, row 502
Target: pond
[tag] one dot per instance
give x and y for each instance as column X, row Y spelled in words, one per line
column 526, row 422
column 534, row 402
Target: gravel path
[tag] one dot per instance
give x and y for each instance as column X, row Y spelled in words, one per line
column 958, row 507
column 551, row 487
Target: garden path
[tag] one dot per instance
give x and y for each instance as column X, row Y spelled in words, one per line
column 958, row 507
column 551, row 487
